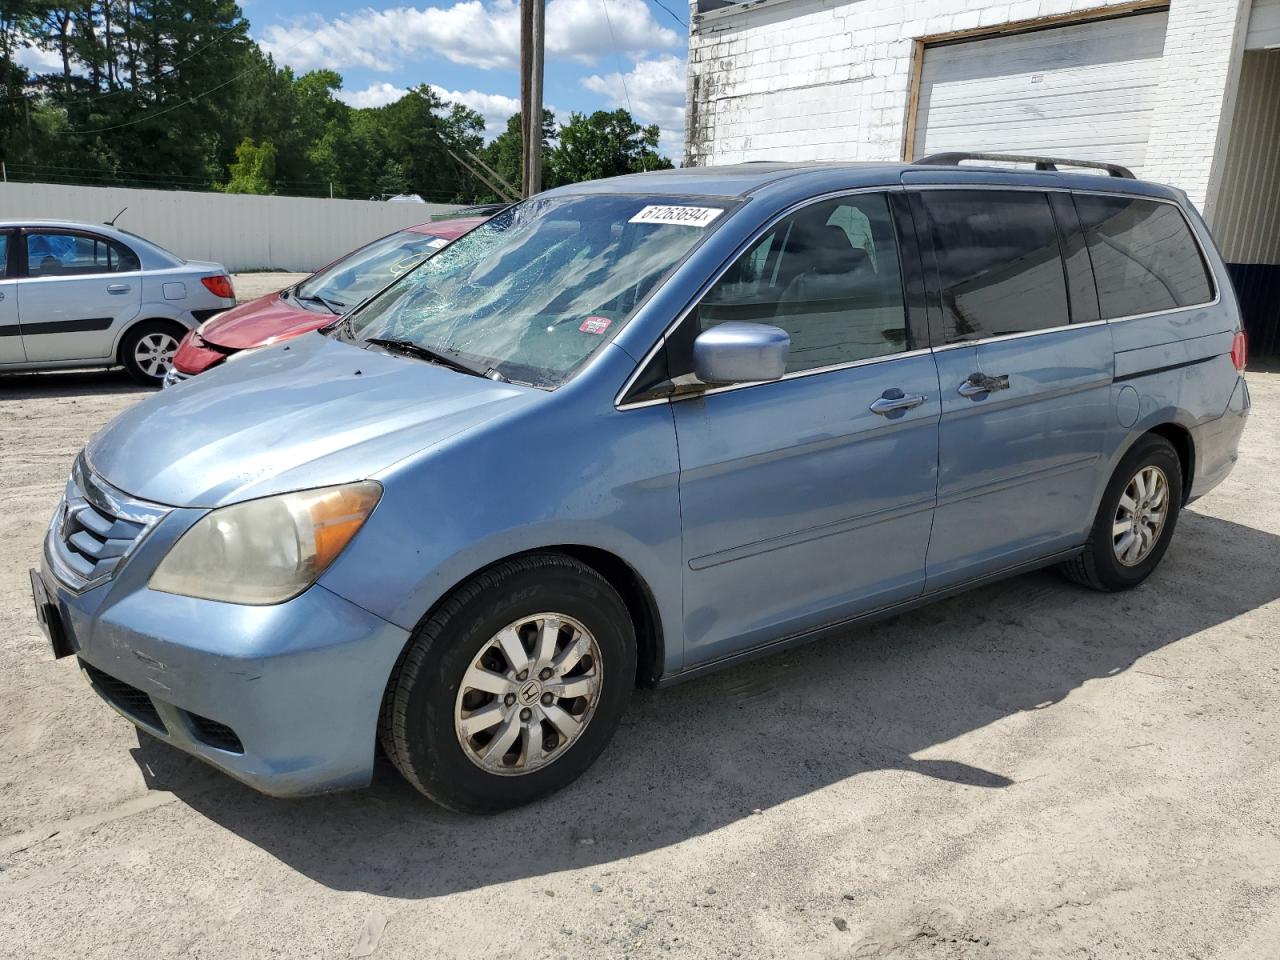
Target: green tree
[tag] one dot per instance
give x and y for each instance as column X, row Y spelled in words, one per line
column 506, row 153
column 254, row 170
column 174, row 93
column 604, row 144
column 390, row 181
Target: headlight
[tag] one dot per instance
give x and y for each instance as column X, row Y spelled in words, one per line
column 269, row 550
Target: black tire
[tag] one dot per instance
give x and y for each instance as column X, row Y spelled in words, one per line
column 417, row 729
column 1097, row 566
column 136, row 335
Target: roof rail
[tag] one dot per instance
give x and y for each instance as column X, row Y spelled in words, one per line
column 1042, row 163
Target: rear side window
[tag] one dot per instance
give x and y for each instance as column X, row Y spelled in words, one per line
column 1144, row 256
column 999, row 262
column 65, row 254
column 4, row 254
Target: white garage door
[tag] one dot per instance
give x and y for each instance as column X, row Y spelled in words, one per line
column 1081, row 92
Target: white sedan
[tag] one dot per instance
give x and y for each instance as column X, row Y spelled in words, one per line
column 92, row 295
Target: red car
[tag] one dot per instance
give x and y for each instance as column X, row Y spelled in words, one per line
column 315, row 301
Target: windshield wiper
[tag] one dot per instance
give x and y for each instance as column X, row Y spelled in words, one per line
column 411, row 349
column 333, row 306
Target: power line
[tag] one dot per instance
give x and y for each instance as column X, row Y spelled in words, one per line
column 622, row 76
column 200, row 96
column 673, row 15
column 318, row 191
column 172, row 69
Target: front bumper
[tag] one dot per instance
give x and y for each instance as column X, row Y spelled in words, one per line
column 284, row 698
column 195, row 355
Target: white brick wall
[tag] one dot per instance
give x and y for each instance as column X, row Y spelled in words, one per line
column 830, row 80
column 1187, row 142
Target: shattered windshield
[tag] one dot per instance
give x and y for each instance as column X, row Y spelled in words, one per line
column 539, row 288
column 369, row 269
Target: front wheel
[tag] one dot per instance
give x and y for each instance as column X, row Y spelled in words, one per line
column 512, row 687
column 1135, row 520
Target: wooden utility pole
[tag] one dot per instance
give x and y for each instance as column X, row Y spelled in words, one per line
column 532, row 30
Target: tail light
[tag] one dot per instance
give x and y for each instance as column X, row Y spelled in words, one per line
column 219, row 286
column 1240, row 350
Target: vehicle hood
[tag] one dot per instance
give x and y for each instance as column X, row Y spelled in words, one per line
column 260, row 321
column 309, row 413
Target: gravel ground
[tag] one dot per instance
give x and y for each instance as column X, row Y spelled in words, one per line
column 1028, row 770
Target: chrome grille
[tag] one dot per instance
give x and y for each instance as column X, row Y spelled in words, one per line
column 95, row 529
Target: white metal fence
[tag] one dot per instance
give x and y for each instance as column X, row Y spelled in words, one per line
column 240, row 232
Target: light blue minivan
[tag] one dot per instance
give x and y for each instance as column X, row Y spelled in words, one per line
column 632, row 430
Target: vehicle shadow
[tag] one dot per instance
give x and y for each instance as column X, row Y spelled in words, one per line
column 696, row 757
column 45, row 384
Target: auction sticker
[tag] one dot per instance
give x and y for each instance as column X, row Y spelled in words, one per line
column 596, row 325
column 679, row 216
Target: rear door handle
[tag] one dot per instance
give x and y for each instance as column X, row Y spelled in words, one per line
column 894, row 401
column 117, row 288
column 979, row 384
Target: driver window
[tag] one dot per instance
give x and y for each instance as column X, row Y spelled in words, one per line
column 828, row 275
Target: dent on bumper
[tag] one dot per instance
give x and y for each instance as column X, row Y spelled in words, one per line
column 300, row 683
column 1217, row 442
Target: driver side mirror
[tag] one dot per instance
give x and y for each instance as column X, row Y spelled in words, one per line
column 737, row 352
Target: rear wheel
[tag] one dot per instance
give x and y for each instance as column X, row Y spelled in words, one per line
column 512, row 687
column 1135, row 520
column 148, row 349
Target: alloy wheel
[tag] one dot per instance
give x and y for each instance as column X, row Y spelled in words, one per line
column 154, row 352
column 1140, row 516
column 529, row 694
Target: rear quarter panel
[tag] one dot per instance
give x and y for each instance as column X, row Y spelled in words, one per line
column 1175, row 367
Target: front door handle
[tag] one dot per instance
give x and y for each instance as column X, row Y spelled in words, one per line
column 979, row 384
column 117, row 288
column 895, row 401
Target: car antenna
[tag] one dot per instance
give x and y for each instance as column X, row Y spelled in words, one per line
column 112, row 221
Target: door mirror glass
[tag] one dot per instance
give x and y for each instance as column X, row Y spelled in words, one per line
column 738, row 352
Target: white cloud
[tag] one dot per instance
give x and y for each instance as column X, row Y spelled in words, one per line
column 657, row 95
column 374, row 95
column 494, row 107
column 471, row 32
column 41, row 61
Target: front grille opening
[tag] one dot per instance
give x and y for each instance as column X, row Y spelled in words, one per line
column 95, row 541
column 129, row 700
column 214, row 734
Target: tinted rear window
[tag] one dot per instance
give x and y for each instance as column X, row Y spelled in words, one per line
column 1144, row 256
column 999, row 262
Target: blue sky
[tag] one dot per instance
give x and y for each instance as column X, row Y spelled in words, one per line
column 599, row 53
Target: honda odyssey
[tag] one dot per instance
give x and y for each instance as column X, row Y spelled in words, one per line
column 633, row 430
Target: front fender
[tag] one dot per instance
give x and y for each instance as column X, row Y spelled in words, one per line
column 562, row 477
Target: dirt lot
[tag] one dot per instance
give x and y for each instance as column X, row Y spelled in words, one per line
column 1030, row 770
column 251, row 285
